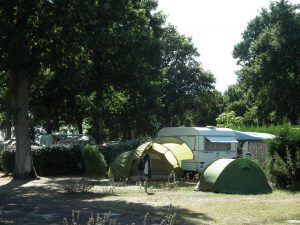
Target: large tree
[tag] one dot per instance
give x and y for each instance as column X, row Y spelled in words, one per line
column 269, row 54
column 125, row 53
column 184, row 83
column 24, row 26
column 42, row 56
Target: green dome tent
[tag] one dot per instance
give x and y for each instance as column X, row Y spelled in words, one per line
column 166, row 155
column 234, row 176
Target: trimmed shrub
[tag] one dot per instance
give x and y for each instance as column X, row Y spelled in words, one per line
column 95, row 164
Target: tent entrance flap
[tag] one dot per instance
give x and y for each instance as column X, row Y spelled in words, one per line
column 216, row 139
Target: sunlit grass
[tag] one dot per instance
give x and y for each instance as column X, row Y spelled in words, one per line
column 210, row 208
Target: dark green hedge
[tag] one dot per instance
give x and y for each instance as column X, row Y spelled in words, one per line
column 58, row 160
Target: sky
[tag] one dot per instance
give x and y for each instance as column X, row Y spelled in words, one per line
column 215, row 26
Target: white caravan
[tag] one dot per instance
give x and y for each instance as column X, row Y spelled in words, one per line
column 207, row 144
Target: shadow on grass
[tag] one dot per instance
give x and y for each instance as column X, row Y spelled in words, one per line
column 23, row 203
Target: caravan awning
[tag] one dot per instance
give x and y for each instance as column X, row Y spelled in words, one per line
column 253, row 136
column 216, row 139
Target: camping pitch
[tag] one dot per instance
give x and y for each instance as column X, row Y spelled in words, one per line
column 234, row 176
column 166, row 154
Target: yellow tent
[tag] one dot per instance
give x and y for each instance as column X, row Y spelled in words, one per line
column 166, row 155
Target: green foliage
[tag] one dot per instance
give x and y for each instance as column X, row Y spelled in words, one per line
column 130, row 73
column 229, row 120
column 278, row 170
column 269, row 55
column 284, row 157
column 187, row 92
column 235, row 99
column 95, row 164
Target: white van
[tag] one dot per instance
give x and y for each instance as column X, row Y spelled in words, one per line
column 207, row 144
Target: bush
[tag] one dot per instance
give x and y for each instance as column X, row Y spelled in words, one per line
column 284, row 158
column 95, row 164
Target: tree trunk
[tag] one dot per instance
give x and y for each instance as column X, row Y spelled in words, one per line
column 20, row 94
column 97, row 120
column 167, row 117
column 126, row 128
column 80, row 128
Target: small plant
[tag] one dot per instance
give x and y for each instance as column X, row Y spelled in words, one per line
column 172, row 181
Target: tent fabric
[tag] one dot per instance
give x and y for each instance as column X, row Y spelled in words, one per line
column 166, row 155
column 234, row 176
column 216, row 139
column 120, row 166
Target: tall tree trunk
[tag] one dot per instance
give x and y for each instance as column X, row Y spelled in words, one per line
column 20, row 94
column 97, row 120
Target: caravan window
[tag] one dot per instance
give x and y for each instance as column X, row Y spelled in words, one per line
column 218, row 143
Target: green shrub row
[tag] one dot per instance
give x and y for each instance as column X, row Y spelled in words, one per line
column 61, row 160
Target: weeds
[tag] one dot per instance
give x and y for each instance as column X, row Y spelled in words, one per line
column 169, row 219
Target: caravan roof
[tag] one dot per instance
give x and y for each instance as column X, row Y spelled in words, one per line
column 191, row 131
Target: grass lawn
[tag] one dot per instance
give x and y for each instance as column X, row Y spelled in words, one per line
column 45, row 202
column 209, row 208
